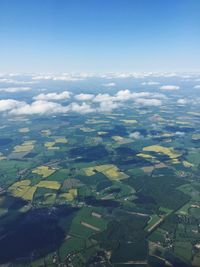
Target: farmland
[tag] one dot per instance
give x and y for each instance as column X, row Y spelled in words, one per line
column 107, row 189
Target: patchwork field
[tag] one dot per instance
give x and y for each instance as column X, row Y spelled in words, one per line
column 110, row 189
column 170, row 152
column 44, row 171
column 109, row 170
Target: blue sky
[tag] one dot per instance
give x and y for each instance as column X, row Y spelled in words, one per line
column 99, row 35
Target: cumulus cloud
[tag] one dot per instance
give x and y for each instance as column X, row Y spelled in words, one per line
column 137, row 75
column 150, row 83
column 182, row 101
column 170, row 87
column 9, row 104
column 39, row 107
column 83, row 108
column 53, row 96
column 197, row 86
column 135, row 135
column 123, row 95
column 84, row 97
column 107, row 106
column 45, row 103
column 180, row 133
column 111, row 84
column 61, row 77
column 108, row 102
column 102, row 98
column 15, row 89
column 149, row 102
column 16, row 82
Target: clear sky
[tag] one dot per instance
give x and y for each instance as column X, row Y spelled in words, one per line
column 99, row 35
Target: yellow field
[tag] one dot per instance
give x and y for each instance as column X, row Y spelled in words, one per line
column 187, row 164
column 170, row 152
column 22, row 189
column 51, row 144
column 29, row 193
column 87, row 129
column 24, row 130
column 146, row 156
column 70, row 196
column 21, row 183
column 49, row 184
column 44, row 171
column 167, row 135
column 109, row 170
column 129, row 121
column 61, row 140
column 24, row 147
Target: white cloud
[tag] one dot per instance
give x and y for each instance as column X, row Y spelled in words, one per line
column 42, row 107
column 150, row 83
column 83, row 108
column 197, row 86
column 123, row 95
column 182, row 101
column 45, row 103
column 84, row 97
column 149, row 102
column 103, row 97
column 170, row 87
column 108, row 102
column 179, row 133
column 15, row 89
column 61, row 77
column 8, row 104
column 39, row 107
column 53, row 96
column 135, row 135
column 16, row 82
column 107, row 106
column 111, row 84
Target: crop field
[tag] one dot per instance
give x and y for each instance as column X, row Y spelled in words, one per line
column 107, row 189
column 49, row 184
column 24, row 147
column 109, row 170
column 44, row 171
column 170, row 152
column 23, row 189
column 24, row 130
column 85, row 224
column 70, row 195
column 129, row 121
